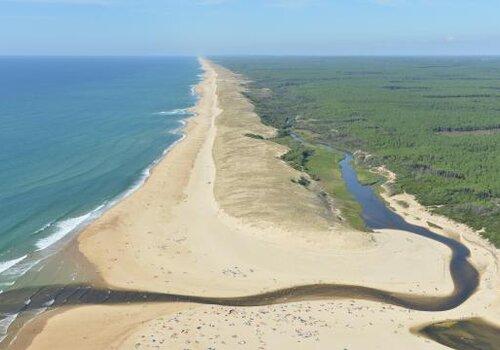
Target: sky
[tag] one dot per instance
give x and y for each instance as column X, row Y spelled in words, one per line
column 255, row 27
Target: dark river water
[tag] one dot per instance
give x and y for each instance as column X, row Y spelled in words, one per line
column 376, row 216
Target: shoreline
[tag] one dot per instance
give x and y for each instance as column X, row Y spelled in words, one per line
column 33, row 326
column 188, row 210
column 67, row 228
column 65, row 247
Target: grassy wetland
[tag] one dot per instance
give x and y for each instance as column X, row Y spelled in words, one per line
column 317, row 160
column 435, row 122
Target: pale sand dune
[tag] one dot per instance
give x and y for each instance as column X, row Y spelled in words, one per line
column 251, row 183
column 220, row 217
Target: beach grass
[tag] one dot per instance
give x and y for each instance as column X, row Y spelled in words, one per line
column 322, row 164
column 367, row 177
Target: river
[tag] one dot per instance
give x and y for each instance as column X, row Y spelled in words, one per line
column 376, row 216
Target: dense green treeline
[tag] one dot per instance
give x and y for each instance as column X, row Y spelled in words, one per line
column 433, row 121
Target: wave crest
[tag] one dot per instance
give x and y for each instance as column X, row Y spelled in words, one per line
column 5, row 265
column 178, row 111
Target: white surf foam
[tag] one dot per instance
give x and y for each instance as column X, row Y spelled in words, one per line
column 64, row 227
column 44, row 227
column 5, row 265
column 67, row 226
column 20, row 268
column 5, row 321
column 178, row 111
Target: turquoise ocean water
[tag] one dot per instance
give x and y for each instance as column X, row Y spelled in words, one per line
column 76, row 135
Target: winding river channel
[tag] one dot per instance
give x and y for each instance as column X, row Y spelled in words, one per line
column 376, row 216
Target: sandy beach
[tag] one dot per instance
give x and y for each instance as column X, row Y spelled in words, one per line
column 219, row 216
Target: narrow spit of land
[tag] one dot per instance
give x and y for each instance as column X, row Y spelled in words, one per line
column 220, row 217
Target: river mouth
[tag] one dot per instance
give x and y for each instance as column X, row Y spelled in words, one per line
column 376, row 216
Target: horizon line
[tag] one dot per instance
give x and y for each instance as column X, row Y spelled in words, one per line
column 237, row 55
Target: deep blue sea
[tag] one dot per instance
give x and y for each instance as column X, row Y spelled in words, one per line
column 76, row 135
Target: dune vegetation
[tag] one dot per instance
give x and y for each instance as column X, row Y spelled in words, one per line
column 432, row 121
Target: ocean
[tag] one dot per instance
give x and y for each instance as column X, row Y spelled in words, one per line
column 76, row 136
